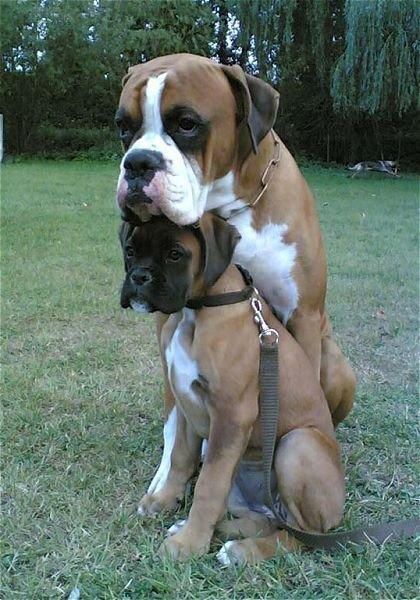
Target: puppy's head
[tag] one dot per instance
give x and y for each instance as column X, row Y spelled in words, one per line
column 166, row 265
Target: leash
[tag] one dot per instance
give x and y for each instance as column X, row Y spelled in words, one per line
column 269, row 414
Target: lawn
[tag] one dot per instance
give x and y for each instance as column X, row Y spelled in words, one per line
column 82, row 397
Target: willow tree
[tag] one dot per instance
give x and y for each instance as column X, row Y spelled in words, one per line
column 378, row 71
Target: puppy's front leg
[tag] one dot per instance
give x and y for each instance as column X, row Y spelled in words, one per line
column 227, row 442
column 182, row 463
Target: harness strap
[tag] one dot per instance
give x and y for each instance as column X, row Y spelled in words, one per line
column 269, row 414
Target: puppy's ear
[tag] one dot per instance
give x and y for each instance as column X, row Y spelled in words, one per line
column 125, row 232
column 220, row 239
column 257, row 103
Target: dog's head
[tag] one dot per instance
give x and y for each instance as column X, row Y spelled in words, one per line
column 166, row 265
column 185, row 122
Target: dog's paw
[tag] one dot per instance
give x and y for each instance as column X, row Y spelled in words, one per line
column 181, row 547
column 152, row 504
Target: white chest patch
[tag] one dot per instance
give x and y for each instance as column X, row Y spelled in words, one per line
column 270, row 261
column 182, row 369
column 222, row 197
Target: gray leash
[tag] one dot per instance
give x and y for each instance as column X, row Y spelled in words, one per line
column 269, row 415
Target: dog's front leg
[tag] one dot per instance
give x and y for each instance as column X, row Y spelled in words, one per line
column 305, row 326
column 227, row 442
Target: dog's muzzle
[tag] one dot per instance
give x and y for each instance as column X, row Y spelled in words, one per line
column 141, row 165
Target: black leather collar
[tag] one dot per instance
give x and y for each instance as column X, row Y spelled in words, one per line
column 227, row 298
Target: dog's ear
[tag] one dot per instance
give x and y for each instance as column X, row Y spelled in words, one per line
column 219, row 241
column 257, row 102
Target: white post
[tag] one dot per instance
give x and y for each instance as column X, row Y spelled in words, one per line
column 1, row 138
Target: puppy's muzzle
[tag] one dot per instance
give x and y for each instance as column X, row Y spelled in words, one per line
column 134, row 286
column 140, row 166
column 140, row 276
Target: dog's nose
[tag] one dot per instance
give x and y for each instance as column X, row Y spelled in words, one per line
column 141, row 276
column 139, row 162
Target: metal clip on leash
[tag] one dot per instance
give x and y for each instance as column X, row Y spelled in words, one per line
column 266, row 332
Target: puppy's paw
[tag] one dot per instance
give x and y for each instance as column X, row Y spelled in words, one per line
column 227, row 556
column 152, row 504
column 238, row 552
column 181, row 546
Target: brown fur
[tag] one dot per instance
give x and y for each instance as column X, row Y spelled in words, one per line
column 222, row 95
column 307, row 460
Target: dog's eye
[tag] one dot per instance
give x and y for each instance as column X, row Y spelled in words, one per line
column 187, row 125
column 129, row 252
column 175, row 254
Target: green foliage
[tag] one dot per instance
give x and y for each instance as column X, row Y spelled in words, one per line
column 63, row 61
column 347, row 71
column 379, row 69
column 72, row 142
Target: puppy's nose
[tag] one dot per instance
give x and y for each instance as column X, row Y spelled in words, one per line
column 141, row 276
column 139, row 162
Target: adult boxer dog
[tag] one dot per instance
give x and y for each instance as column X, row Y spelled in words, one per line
column 211, row 359
column 198, row 137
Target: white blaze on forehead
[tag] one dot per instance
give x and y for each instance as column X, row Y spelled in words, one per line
column 152, row 119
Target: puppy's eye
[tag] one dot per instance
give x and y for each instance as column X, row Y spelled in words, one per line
column 129, row 252
column 187, row 125
column 175, row 254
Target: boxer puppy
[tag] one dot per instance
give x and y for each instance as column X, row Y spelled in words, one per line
column 198, row 137
column 211, row 362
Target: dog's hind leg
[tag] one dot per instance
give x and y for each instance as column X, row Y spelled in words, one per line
column 311, row 486
column 249, row 524
column 253, row 550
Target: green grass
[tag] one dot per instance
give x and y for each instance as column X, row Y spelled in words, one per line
column 82, row 397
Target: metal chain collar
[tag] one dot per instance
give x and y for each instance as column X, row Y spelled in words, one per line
column 269, row 170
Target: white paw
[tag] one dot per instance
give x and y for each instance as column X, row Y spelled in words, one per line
column 176, row 527
column 223, row 555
